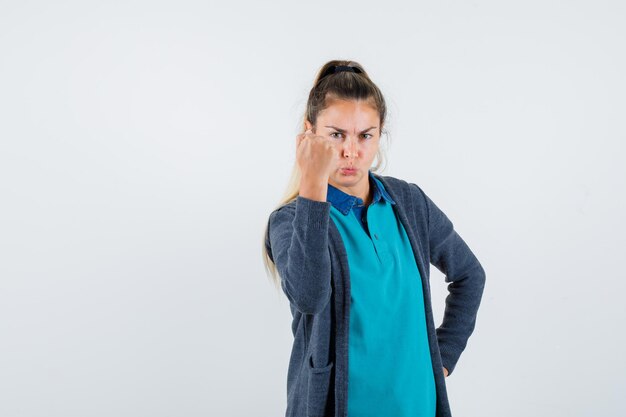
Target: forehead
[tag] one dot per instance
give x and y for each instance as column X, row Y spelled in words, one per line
column 346, row 113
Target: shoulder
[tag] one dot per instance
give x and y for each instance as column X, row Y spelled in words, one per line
column 280, row 218
column 285, row 210
column 311, row 211
column 288, row 206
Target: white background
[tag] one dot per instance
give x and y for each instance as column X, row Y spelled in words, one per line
column 143, row 145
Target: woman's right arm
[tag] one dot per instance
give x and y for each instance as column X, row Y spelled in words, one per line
column 299, row 248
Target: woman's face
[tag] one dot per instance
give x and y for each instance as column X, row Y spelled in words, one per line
column 353, row 127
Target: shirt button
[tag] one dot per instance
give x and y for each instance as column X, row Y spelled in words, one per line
column 375, row 235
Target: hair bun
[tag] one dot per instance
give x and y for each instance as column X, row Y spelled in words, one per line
column 333, row 69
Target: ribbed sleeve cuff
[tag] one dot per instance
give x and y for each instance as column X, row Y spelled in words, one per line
column 317, row 212
column 449, row 357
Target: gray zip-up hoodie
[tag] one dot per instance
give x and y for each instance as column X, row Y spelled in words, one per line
column 308, row 252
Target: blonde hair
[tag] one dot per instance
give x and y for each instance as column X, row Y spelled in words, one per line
column 344, row 86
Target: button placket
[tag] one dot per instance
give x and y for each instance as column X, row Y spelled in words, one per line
column 380, row 245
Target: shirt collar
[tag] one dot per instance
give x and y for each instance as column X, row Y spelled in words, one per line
column 345, row 202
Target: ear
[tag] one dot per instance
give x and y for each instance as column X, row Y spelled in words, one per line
column 308, row 125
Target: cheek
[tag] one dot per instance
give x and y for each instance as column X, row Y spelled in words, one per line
column 370, row 149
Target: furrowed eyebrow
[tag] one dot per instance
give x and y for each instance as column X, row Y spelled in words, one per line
column 344, row 131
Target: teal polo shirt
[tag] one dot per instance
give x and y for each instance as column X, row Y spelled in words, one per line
column 389, row 365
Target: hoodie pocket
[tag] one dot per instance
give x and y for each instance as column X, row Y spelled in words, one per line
column 319, row 389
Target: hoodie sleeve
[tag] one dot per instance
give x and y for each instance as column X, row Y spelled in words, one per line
column 451, row 255
column 298, row 245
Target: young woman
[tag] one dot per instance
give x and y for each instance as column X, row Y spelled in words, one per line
column 352, row 250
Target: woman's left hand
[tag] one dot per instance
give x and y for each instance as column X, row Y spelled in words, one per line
column 445, row 371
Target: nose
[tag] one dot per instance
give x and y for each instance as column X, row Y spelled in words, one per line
column 350, row 148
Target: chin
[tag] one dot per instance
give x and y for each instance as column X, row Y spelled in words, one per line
column 348, row 179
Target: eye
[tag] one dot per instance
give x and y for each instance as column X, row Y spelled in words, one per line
column 334, row 133
column 367, row 134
